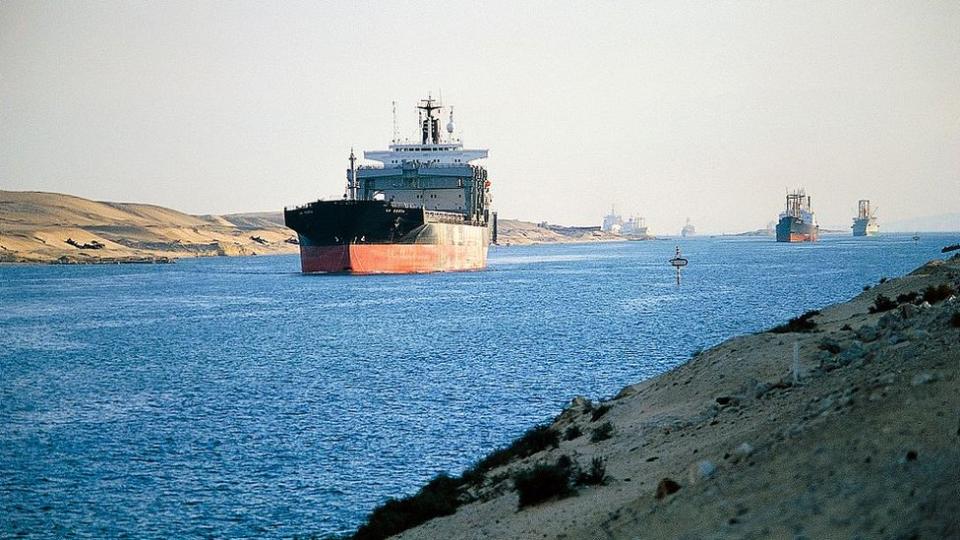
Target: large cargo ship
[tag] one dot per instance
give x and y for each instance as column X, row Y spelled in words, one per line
column 798, row 223
column 634, row 227
column 423, row 208
column 865, row 224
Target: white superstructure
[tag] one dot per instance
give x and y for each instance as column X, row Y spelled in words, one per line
column 614, row 223
column 434, row 148
column 798, row 206
column 435, row 173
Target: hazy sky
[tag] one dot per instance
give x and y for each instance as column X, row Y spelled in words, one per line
column 670, row 109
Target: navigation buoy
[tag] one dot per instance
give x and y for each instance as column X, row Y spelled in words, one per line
column 678, row 262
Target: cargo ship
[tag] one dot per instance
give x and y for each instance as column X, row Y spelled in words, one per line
column 424, row 207
column 798, row 223
column 865, row 224
column 688, row 229
column 634, row 227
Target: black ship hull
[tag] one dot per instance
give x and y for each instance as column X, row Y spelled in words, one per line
column 791, row 229
column 371, row 237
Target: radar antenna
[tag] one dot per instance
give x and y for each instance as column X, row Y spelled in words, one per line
column 450, row 126
column 396, row 133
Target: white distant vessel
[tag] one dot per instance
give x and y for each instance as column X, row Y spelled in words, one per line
column 865, row 224
column 688, row 229
column 614, row 223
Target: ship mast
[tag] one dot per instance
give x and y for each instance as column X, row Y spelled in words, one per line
column 352, row 186
column 429, row 126
column 396, row 133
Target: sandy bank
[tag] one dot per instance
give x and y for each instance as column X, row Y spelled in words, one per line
column 52, row 227
column 514, row 232
column 865, row 445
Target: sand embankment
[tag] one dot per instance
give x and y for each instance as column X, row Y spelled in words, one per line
column 519, row 233
column 36, row 227
column 865, row 445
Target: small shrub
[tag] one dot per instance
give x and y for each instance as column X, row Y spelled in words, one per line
column 846, row 327
column 599, row 412
column 866, row 287
column 803, row 323
column 955, row 319
column 602, row 432
column 476, row 474
column 829, row 345
column 597, row 475
column 536, row 439
column 498, row 478
column 437, row 498
column 883, row 280
column 937, row 294
column 908, row 298
column 667, row 487
column 881, row 303
column 572, row 433
column 543, row 482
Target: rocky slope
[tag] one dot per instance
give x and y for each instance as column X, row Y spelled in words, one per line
column 858, row 436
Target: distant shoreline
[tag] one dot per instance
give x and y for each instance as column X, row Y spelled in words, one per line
column 53, row 228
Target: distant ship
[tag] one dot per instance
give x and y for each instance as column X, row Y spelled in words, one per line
column 865, row 224
column 424, row 209
column 798, row 223
column 612, row 222
column 635, row 226
column 688, row 229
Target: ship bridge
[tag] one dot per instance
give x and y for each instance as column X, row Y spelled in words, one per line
column 433, row 147
column 435, row 173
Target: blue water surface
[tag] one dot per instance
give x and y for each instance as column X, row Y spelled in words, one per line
column 234, row 397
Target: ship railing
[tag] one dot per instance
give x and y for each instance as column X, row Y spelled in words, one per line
column 424, row 164
column 440, row 216
column 321, row 199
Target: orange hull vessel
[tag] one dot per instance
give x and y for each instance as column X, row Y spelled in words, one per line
column 800, row 237
column 391, row 258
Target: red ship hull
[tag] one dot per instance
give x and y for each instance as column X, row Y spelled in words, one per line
column 800, row 237
column 392, row 258
column 376, row 237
